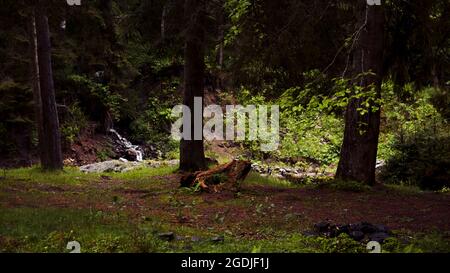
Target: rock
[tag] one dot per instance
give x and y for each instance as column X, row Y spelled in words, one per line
column 168, row 236
column 151, row 151
column 131, row 154
column 357, row 231
column 364, row 227
column 279, row 176
column 125, row 148
column 295, row 178
column 379, row 237
column 110, row 166
column 322, row 227
column 368, row 228
column 357, row 235
column 218, row 239
column 124, row 166
column 338, row 230
column 159, row 163
column 128, row 169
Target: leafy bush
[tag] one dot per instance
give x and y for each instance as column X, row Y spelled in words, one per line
column 308, row 129
column 16, row 112
column 420, row 243
column 153, row 126
column 419, row 148
column 74, row 122
column 341, row 244
column 310, row 133
column 97, row 97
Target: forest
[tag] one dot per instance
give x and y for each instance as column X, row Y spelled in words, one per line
column 225, row 126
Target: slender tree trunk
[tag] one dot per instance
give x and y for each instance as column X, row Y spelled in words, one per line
column 51, row 144
column 192, row 154
column 36, row 86
column 110, row 35
column 112, row 68
column 163, row 21
column 220, row 39
column 359, row 150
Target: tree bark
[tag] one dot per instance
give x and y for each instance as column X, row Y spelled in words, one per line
column 359, row 150
column 163, row 21
column 34, row 75
column 192, row 154
column 222, row 177
column 221, row 37
column 51, row 144
column 110, row 35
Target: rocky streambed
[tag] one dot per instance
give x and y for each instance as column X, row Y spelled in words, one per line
column 294, row 174
column 123, row 165
column 361, row 231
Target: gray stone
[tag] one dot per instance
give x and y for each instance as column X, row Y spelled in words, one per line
column 322, row 227
column 110, row 166
column 124, row 166
column 168, row 236
column 218, row 239
column 357, row 235
column 378, row 237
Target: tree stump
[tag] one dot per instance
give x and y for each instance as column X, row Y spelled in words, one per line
column 223, row 177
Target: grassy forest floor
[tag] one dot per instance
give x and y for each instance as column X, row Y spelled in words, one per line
column 146, row 211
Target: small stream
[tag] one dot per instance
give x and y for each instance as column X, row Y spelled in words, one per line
column 133, row 152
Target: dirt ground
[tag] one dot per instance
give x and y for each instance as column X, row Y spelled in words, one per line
column 255, row 206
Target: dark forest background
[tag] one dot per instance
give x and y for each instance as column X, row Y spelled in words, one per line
column 120, row 64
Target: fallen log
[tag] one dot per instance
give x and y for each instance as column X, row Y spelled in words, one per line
column 227, row 176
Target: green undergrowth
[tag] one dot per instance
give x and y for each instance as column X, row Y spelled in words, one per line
column 50, row 229
column 257, row 179
column 72, row 175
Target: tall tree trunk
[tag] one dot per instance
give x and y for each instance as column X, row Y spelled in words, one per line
column 192, row 154
column 112, row 61
column 51, row 136
column 109, row 33
column 221, row 37
column 359, row 150
column 34, row 75
column 163, row 21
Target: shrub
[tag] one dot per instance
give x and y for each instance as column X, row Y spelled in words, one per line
column 73, row 123
column 307, row 128
column 153, row 126
column 419, row 148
